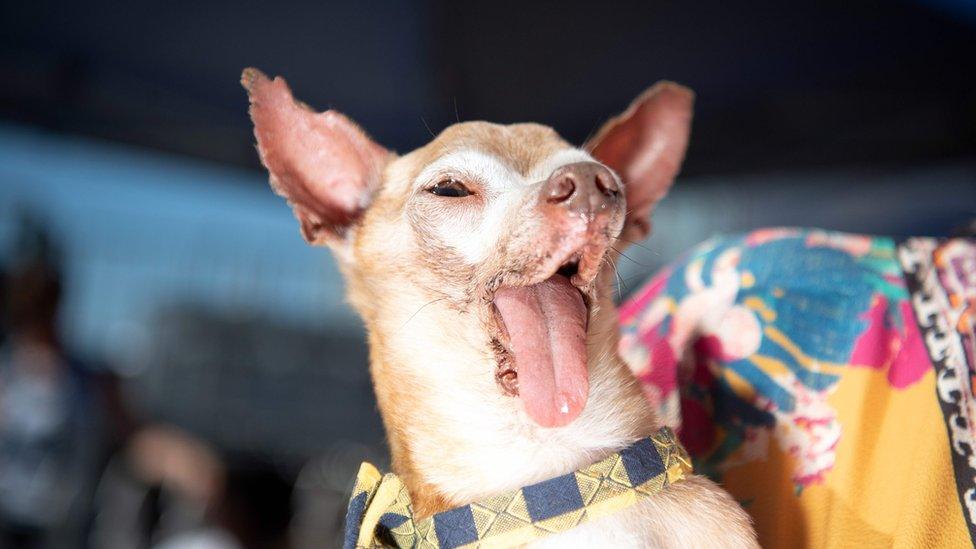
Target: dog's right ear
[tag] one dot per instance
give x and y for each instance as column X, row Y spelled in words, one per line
column 322, row 163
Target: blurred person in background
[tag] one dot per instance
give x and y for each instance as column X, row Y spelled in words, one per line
column 169, row 489
column 47, row 437
column 159, row 486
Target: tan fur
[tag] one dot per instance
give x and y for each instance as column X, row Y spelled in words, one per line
column 406, row 287
column 422, row 271
column 399, row 395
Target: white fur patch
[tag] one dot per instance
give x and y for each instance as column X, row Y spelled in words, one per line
column 504, row 190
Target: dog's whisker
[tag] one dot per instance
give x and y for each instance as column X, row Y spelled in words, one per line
column 638, row 244
column 635, row 277
column 431, row 302
column 628, row 257
column 426, row 125
column 591, row 132
column 616, row 273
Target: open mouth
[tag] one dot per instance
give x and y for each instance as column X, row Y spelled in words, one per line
column 540, row 342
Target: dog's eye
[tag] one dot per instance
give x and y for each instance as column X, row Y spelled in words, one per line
column 451, row 188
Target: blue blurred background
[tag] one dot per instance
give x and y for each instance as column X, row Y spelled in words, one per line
column 177, row 367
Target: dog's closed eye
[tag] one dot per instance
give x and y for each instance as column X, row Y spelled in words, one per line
column 450, row 188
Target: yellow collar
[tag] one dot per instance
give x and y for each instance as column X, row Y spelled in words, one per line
column 380, row 513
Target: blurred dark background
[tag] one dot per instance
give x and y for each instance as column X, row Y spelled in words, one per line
column 201, row 379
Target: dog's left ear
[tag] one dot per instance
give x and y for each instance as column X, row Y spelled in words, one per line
column 645, row 145
column 322, row 163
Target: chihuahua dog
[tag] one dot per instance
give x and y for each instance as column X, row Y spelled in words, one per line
column 480, row 264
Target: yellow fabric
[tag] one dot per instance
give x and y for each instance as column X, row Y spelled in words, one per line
column 891, row 485
column 826, row 380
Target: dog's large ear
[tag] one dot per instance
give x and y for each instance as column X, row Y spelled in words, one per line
column 645, row 146
column 322, row 163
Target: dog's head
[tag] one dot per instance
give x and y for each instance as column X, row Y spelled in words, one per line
column 505, row 231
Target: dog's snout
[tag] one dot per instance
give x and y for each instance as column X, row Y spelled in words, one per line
column 585, row 186
column 582, row 206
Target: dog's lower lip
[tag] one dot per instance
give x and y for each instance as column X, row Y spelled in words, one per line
column 506, row 375
column 499, row 322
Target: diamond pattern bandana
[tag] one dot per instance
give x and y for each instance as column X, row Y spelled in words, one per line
column 380, row 513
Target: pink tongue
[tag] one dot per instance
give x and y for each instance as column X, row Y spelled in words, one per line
column 546, row 324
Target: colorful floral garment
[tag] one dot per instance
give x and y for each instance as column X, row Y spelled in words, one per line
column 825, row 379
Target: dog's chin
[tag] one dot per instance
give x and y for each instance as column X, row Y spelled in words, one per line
column 537, row 326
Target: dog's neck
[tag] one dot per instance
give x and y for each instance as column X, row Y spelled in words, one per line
column 455, row 437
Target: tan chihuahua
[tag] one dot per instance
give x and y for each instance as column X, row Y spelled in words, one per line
column 480, row 264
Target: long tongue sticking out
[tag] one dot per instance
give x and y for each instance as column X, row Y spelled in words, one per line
column 546, row 325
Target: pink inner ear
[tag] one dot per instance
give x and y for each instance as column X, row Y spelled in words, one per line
column 322, row 163
column 646, row 144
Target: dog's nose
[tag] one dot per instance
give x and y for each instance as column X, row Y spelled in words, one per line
column 582, row 186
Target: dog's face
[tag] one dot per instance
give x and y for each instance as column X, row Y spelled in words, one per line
column 510, row 228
